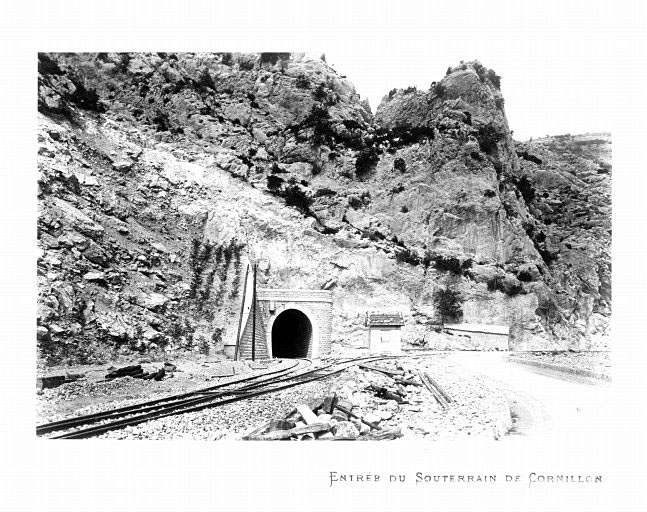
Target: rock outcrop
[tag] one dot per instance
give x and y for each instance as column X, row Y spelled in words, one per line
column 161, row 175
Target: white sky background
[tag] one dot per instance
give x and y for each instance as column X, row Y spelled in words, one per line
column 556, row 59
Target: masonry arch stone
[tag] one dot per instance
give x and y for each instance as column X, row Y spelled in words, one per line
column 302, row 318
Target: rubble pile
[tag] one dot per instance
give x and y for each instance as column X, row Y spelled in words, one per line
column 430, row 398
column 364, row 407
column 330, row 418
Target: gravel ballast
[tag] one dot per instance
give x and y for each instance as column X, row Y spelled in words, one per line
column 479, row 409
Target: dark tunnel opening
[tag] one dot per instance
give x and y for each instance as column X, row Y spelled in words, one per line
column 291, row 334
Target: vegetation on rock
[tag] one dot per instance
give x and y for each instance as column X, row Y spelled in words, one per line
column 149, row 172
column 448, row 304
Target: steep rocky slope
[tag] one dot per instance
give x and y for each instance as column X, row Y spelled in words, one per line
column 566, row 183
column 161, row 175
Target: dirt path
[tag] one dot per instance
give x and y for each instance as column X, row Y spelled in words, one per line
column 545, row 403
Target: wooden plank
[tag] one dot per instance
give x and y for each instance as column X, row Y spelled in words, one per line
column 314, row 405
column 338, row 408
column 448, row 398
column 430, row 383
column 372, row 425
column 127, row 370
column 313, row 428
column 280, row 425
column 429, row 386
column 307, row 415
column 290, row 414
column 383, row 371
column 407, row 382
column 263, row 428
column 329, row 404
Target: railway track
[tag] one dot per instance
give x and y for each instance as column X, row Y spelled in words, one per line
column 159, row 403
column 214, row 396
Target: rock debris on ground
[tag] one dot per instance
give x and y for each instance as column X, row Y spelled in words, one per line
column 479, row 409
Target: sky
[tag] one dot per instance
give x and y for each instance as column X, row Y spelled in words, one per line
column 560, row 60
column 558, row 65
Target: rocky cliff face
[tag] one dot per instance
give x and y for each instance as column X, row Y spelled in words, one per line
column 566, row 183
column 161, row 175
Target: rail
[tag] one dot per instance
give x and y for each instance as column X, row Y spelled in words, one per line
column 213, row 396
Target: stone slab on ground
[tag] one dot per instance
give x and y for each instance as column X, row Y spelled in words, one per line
column 223, row 370
column 240, row 367
column 254, row 365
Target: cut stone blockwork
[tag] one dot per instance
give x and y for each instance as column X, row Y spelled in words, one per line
column 289, row 324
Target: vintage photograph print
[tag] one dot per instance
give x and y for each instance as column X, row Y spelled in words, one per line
column 239, row 246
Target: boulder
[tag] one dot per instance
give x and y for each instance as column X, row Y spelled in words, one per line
column 94, row 276
column 155, row 301
column 159, row 247
column 45, row 314
column 372, row 417
column 151, row 334
column 56, row 329
column 95, row 254
column 345, row 429
column 384, row 414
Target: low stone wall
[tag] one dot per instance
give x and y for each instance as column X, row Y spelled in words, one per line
column 563, row 369
column 453, row 339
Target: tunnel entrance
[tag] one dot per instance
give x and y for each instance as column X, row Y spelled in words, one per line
column 291, row 334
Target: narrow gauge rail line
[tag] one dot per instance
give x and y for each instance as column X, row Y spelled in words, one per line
column 136, row 408
column 215, row 400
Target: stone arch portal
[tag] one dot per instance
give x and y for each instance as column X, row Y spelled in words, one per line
column 289, row 323
column 291, row 334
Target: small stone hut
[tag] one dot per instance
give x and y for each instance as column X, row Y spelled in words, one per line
column 384, row 331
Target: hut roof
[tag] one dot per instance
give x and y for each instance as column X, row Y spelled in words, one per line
column 375, row 319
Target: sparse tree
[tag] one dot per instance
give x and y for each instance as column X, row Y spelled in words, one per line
column 448, row 304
